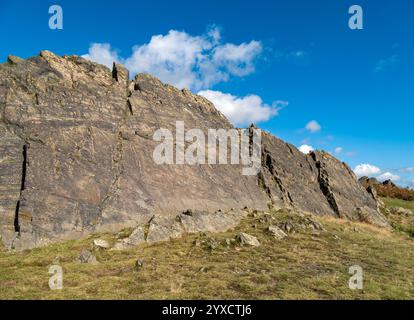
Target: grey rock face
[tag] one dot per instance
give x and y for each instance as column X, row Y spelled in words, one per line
column 76, row 157
column 345, row 195
column 290, row 178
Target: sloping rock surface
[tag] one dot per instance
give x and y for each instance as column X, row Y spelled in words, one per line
column 76, row 156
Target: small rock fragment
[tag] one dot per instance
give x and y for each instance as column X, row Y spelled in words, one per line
column 402, row 211
column 101, row 244
column 211, row 243
column 246, row 239
column 276, row 232
column 139, row 264
column 86, row 256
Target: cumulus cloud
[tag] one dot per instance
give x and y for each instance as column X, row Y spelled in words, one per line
column 388, row 176
column 304, row 148
column 102, row 53
column 243, row 110
column 184, row 60
column 338, row 150
column 237, row 59
column 313, row 126
column 366, row 170
column 197, row 62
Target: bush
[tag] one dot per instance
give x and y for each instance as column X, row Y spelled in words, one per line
column 391, row 191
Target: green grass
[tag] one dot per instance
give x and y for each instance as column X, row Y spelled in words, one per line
column 400, row 223
column 390, row 202
column 307, row 264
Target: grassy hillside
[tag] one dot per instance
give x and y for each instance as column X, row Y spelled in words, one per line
column 400, row 222
column 394, row 203
column 310, row 263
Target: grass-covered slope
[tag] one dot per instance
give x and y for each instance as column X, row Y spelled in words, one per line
column 310, row 263
column 399, row 221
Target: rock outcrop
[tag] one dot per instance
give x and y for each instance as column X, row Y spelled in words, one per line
column 386, row 188
column 76, row 156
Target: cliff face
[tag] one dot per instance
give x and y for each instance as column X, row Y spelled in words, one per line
column 76, row 156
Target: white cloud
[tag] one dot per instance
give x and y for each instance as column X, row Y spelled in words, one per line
column 185, row 61
column 338, row 150
column 237, row 59
column 388, row 176
column 366, row 170
column 243, row 110
column 313, row 126
column 304, row 148
column 387, row 63
column 102, row 53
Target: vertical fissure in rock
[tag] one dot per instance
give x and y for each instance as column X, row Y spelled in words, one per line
column 129, row 106
column 290, row 149
column 115, row 72
column 325, row 187
column 262, row 184
column 22, row 187
column 285, row 194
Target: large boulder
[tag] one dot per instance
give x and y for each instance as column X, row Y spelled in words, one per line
column 76, row 156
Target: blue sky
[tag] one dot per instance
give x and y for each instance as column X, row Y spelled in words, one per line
column 280, row 63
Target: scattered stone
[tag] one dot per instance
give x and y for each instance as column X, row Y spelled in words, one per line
column 139, row 264
column 137, row 237
column 211, row 243
column 276, row 232
column 203, row 221
column 402, row 211
column 246, row 239
column 287, row 226
column 101, row 244
column 163, row 228
column 299, row 221
column 314, row 224
column 86, row 256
